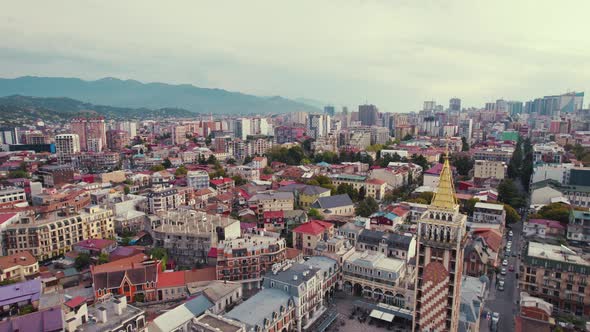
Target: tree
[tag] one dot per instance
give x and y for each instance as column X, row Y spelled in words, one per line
column 160, row 254
column 367, row 207
column 267, row 170
column 463, row 163
column 103, row 258
column 324, row 181
column 231, row 161
column 348, row 189
column 211, row 160
column 208, row 139
column 167, row 163
column 555, row 211
column 362, row 193
column 82, row 261
column 420, row 160
column 157, row 168
column 314, row 214
column 126, row 190
column 464, row 144
column 18, row 174
column 469, row 206
column 508, row 193
column 408, row 137
column 238, row 180
column 248, row 159
column 511, row 215
column 180, row 171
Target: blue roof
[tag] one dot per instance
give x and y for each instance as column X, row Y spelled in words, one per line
column 323, row 164
column 198, row 305
column 260, row 307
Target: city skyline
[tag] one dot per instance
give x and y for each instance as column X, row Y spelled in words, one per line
column 392, row 60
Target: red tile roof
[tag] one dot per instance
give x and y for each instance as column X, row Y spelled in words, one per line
column 375, row 181
column 548, row 223
column 218, row 182
column 93, row 244
column 293, row 253
column 4, row 217
column 78, row 300
column 313, row 227
column 273, row 214
column 197, row 275
column 492, row 237
column 171, row 279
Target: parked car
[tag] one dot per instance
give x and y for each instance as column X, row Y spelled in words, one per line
column 503, row 271
column 511, row 268
column 494, row 322
column 505, row 262
column 510, row 234
column 501, row 285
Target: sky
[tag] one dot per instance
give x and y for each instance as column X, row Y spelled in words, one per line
column 394, row 54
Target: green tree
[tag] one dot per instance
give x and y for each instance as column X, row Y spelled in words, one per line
column 324, row 181
column 126, row 190
column 160, row 254
column 103, row 258
column 367, row 207
column 464, row 144
column 231, row 161
column 362, row 193
column 248, row 159
column 180, row 171
column 267, row 170
column 208, row 139
column 463, row 163
column 157, row 168
column 408, row 137
column 82, row 261
column 508, row 193
column 555, row 211
column 211, row 160
column 167, row 163
column 238, row 180
column 18, row 174
column 469, row 206
column 511, row 215
column 420, row 160
column 346, row 188
column 314, row 214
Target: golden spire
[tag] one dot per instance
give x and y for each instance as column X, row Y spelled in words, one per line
column 444, row 197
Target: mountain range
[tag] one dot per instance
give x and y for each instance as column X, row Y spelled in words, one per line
column 136, row 95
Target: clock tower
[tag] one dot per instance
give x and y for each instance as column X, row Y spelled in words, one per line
column 441, row 240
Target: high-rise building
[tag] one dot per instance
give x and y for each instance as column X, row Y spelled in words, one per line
column 368, row 115
column 441, row 240
column 318, row 125
column 66, row 145
column 429, row 105
column 243, row 128
column 490, row 107
column 91, row 131
column 179, row 135
column 129, row 126
column 330, row 110
column 455, row 104
column 8, row 135
column 117, row 139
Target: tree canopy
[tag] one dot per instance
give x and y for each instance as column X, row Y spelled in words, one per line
column 367, row 207
column 511, row 215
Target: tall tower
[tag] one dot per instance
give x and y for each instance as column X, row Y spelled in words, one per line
column 441, row 240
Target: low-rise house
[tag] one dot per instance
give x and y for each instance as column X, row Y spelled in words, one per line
column 488, row 213
column 19, row 266
column 48, row 320
column 113, row 314
column 222, row 184
column 95, row 247
column 135, row 280
column 351, row 230
column 535, row 314
column 305, row 195
column 482, row 253
column 271, row 201
column 215, row 323
column 385, row 221
column 338, row 205
column 171, row 286
column 543, row 228
column 306, row 236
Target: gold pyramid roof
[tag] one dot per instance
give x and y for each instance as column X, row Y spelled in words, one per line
column 444, row 197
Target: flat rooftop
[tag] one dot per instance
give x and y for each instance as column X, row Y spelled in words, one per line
column 251, row 242
column 113, row 320
column 555, row 253
column 376, row 260
column 213, row 323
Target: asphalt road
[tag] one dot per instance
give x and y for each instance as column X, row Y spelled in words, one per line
column 504, row 302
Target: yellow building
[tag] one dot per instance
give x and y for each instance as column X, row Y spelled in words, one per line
column 310, row 194
column 373, row 187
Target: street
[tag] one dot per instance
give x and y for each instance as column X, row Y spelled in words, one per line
column 504, row 302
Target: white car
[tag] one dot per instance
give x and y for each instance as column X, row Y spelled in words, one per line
column 503, row 271
column 501, row 285
column 510, row 233
column 505, row 262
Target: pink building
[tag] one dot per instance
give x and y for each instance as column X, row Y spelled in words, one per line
column 92, row 133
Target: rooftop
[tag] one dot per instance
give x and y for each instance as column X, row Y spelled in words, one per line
column 23, row 258
column 251, row 242
column 217, row 323
column 113, row 320
column 330, row 202
column 376, row 260
column 23, row 291
column 43, row 320
column 313, row 227
column 172, row 319
column 260, row 307
column 555, row 253
column 489, row 206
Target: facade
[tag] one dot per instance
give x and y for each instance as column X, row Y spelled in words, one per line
column 222, row 184
column 269, row 310
column 557, row 275
column 373, row 275
column 485, row 169
column 113, row 314
column 129, row 280
column 394, row 245
column 164, row 199
column 189, row 235
column 12, row 195
column 19, row 266
column 368, row 115
column 489, row 213
column 338, row 205
column 441, row 240
column 53, row 236
column 578, row 227
column 66, row 145
column 92, row 133
column 246, row 259
column 307, row 236
column 197, row 179
column 373, row 187
column 271, row 201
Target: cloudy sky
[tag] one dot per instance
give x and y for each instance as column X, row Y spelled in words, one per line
column 393, row 53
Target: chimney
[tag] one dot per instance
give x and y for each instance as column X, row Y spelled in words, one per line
column 102, row 314
column 120, row 305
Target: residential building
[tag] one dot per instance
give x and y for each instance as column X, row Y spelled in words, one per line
column 338, row 205
column 473, row 294
column 179, row 319
column 441, row 241
column 271, row 201
column 493, row 154
column 485, row 169
column 393, row 245
column 269, row 310
column 12, row 195
column 197, row 179
column 309, row 284
column 368, row 115
column 47, row 320
column 305, row 195
column 54, row 235
column 189, row 235
column 557, row 275
column 164, row 199
column 91, row 132
column 179, row 135
column 557, row 172
column 373, row 187
column 489, row 213
column 245, row 172
column 117, row 139
column 95, row 247
column 308, row 235
column 248, row 258
column 548, row 153
column 543, row 228
column 66, row 146
column 214, row 323
column 482, row 252
column 114, row 314
column 222, row 184
column 535, row 314
column 14, row 297
column 578, row 227
column 378, row 277
column 19, row 266
column 223, row 294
